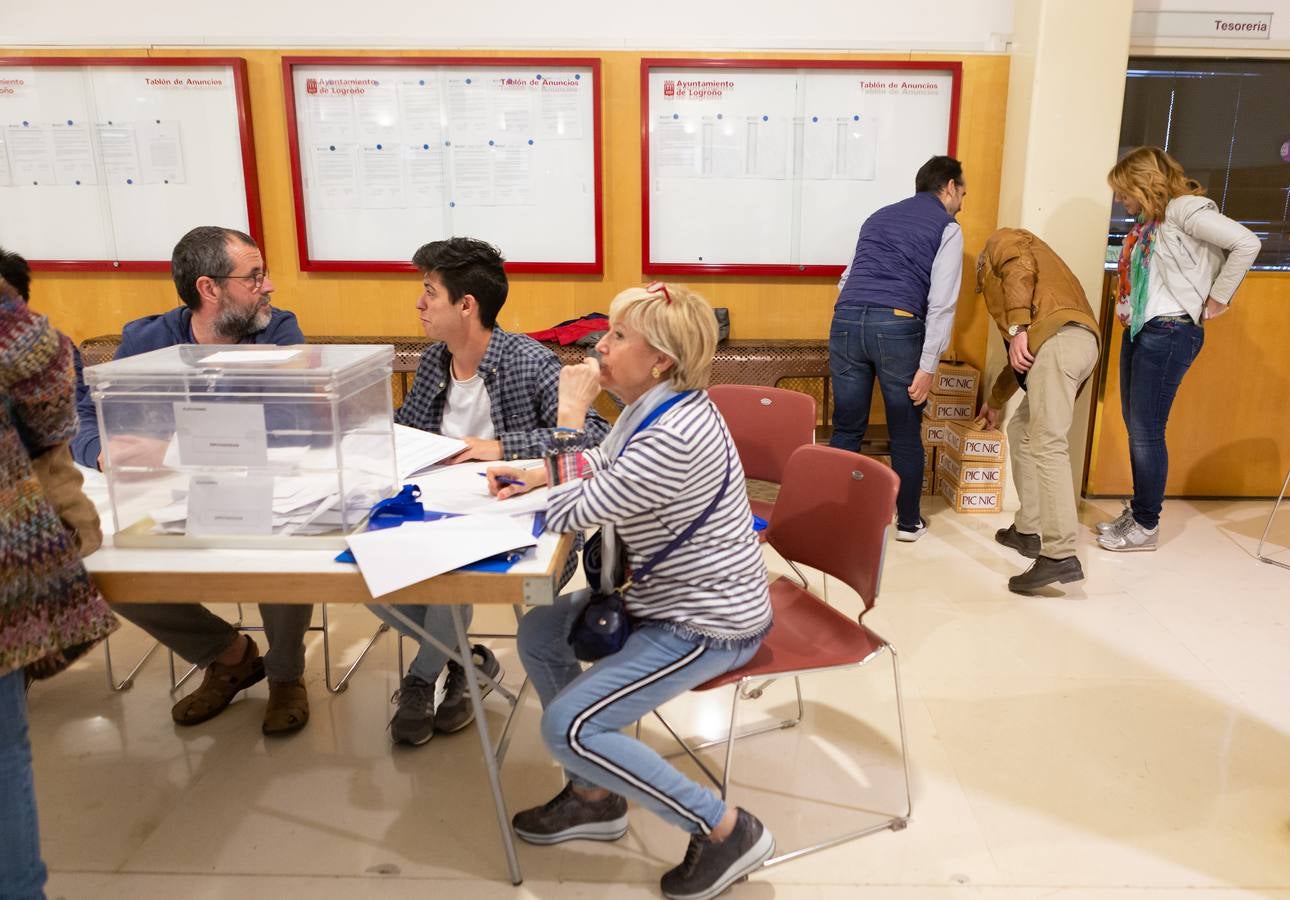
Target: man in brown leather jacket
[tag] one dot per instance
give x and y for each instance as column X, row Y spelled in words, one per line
column 1051, row 335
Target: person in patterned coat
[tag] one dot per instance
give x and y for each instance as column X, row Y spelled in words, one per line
column 50, row 611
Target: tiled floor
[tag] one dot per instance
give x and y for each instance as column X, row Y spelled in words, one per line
column 1126, row 740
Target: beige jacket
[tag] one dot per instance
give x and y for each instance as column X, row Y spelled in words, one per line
column 1026, row 283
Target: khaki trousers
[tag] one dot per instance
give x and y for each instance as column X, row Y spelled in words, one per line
column 1037, row 434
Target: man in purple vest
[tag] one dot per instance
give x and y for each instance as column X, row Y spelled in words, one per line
column 892, row 320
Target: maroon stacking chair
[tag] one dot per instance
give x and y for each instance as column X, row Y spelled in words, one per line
column 767, row 425
column 833, row 514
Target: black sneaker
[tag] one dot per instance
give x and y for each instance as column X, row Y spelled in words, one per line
column 708, row 868
column 455, row 711
column 567, row 817
column 911, row 533
column 413, row 721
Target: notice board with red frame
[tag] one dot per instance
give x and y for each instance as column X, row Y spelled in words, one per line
column 105, row 162
column 389, row 153
column 768, row 167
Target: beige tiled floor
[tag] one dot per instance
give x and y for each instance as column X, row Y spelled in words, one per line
column 1128, row 739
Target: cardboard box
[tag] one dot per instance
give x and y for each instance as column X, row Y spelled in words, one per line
column 971, row 472
column 964, row 441
column 933, row 434
column 969, row 499
column 948, row 409
column 956, row 379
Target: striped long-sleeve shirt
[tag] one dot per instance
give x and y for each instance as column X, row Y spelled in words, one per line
column 712, row 587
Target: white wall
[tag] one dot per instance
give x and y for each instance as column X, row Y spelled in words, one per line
column 435, row 24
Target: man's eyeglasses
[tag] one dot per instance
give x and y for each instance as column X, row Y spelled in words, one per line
column 256, row 279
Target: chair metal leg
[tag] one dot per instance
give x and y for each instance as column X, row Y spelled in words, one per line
column 895, row 822
column 503, row 742
column 177, row 683
column 730, row 744
column 128, row 682
column 753, row 694
column 1268, row 528
column 519, row 614
column 904, row 741
column 340, row 686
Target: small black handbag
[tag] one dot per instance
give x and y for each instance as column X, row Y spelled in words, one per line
column 603, row 626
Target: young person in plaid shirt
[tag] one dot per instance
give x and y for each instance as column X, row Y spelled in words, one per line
column 498, row 392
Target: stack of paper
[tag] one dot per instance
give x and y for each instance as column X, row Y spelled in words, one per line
column 418, row 450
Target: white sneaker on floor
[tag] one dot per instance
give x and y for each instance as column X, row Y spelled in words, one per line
column 1130, row 538
column 1124, row 518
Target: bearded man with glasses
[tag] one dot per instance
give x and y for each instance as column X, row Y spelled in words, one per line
column 225, row 287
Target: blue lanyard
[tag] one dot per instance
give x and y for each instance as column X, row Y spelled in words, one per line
column 653, row 416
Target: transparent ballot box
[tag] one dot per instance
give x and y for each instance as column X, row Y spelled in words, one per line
column 245, row 445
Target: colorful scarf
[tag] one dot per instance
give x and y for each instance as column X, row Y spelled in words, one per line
column 1134, row 273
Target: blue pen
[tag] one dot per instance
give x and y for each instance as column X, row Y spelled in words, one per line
column 504, row 479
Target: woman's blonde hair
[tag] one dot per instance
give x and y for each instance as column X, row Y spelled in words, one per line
column 675, row 321
column 1151, row 177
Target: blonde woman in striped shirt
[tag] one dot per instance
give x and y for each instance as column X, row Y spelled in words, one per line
column 701, row 612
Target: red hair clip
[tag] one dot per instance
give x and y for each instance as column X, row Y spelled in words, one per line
column 655, row 287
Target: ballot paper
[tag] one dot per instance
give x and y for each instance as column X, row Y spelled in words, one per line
column 394, row 558
column 418, row 450
column 235, row 357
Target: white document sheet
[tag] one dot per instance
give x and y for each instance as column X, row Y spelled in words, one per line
column 418, row 450
column 119, row 152
column 460, row 489
column 31, row 154
column 226, row 357
column 162, row 152
column 394, row 558
column 74, row 155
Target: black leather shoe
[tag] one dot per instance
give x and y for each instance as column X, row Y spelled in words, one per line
column 1045, row 571
column 1025, row 544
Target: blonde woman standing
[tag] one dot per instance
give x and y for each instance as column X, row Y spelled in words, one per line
column 1180, row 265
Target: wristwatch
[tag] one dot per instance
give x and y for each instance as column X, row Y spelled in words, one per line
column 1014, row 330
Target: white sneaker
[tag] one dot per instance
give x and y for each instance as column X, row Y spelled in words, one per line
column 1131, row 538
column 1124, row 518
column 912, row 534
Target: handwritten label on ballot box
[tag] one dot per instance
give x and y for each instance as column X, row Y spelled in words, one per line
column 230, row 504
column 221, row 434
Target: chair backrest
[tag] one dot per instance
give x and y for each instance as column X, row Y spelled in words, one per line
column 767, row 425
column 834, row 513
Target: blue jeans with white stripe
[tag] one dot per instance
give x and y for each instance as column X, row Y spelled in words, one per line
column 584, row 712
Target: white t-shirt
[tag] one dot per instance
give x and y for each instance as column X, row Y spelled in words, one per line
column 467, row 411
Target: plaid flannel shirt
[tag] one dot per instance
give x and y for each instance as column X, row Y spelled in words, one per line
column 522, row 379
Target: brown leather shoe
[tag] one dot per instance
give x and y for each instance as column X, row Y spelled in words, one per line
column 288, row 709
column 219, row 686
